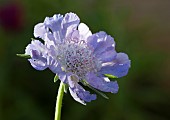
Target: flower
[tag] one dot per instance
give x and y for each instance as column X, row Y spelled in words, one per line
column 77, row 56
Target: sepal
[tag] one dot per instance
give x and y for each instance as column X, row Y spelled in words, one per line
column 24, row 56
column 55, row 78
column 66, row 88
column 110, row 76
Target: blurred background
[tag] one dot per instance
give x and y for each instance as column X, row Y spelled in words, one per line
column 141, row 29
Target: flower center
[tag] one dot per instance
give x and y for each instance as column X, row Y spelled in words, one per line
column 78, row 58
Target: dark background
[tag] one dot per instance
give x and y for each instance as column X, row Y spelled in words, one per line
column 141, row 29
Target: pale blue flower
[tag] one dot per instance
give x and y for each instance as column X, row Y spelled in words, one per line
column 75, row 55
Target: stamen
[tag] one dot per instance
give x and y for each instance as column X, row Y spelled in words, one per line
column 77, row 57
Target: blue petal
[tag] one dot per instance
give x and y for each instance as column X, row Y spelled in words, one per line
column 50, row 40
column 38, row 53
column 81, row 95
column 38, row 64
column 75, row 36
column 53, row 23
column 69, row 23
column 63, row 77
column 119, row 67
column 92, row 41
column 101, row 84
column 56, row 28
column 72, row 80
column 54, row 66
column 100, row 42
column 108, row 55
column 35, row 45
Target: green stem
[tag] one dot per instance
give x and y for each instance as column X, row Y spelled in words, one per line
column 59, row 101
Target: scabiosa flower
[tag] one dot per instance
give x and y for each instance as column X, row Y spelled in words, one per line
column 77, row 56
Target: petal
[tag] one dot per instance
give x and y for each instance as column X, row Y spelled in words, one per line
column 58, row 36
column 104, row 41
column 92, row 41
column 69, row 23
column 37, row 51
column 119, row 67
column 54, row 66
column 38, row 64
column 84, row 31
column 100, row 42
column 63, row 77
column 39, row 30
column 122, row 58
column 60, row 27
column 72, row 80
column 53, row 23
column 108, row 55
column 75, row 36
column 101, row 84
column 81, row 95
column 35, row 45
column 49, row 40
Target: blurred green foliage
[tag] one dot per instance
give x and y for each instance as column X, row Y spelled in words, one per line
column 140, row 28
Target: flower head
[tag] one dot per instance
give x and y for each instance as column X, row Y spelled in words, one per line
column 77, row 56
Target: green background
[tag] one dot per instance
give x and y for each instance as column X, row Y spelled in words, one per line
column 141, row 29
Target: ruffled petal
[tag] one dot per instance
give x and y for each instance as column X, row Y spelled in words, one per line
column 104, row 41
column 119, row 67
column 57, row 28
column 63, row 77
column 54, row 66
column 92, row 41
column 81, row 95
column 67, row 78
column 76, row 91
column 72, row 80
column 108, row 55
column 50, row 25
column 53, row 23
column 100, row 42
column 101, row 84
column 39, row 30
column 49, row 40
column 84, row 31
column 38, row 52
column 69, row 23
column 38, row 64
column 74, row 36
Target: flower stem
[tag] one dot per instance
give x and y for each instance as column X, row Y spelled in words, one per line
column 59, row 101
